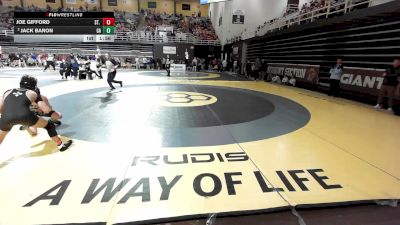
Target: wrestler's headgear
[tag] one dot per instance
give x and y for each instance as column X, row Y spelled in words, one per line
column 28, row 82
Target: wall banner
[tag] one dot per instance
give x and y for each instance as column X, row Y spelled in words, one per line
column 302, row 73
column 169, row 50
column 363, row 81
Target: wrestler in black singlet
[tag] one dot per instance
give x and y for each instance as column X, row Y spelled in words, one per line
column 17, row 110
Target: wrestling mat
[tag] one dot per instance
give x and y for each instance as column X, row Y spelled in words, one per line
column 161, row 149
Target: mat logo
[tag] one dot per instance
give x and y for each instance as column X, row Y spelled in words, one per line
column 186, row 99
column 193, row 158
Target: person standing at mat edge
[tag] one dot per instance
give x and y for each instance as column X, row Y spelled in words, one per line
column 389, row 85
column 334, row 80
column 168, row 66
column 15, row 108
column 111, row 66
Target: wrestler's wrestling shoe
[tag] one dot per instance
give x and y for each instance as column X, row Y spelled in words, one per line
column 57, row 123
column 66, row 145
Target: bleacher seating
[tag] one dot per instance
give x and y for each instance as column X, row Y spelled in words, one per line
column 310, row 12
column 366, row 38
column 202, row 28
column 129, row 27
column 121, row 49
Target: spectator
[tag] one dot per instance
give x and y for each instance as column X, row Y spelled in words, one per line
column 219, row 67
column 75, row 67
column 276, row 79
column 137, row 62
column 168, row 66
column 390, row 83
column 50, row 62
column 336, row 73
column 194, row 64
column 224, row 65
column 264, row 68
column 201, row 27
column 63, row 68
column 248, row 69
column 292, row 81
column 257, row 68
column 285, row 79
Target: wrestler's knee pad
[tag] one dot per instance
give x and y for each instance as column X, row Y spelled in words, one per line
column 51, row 129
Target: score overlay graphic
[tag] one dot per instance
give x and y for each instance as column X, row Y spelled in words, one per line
column 32, row 27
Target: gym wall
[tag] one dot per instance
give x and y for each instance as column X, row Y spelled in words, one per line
column 162, row 6
column 130, row 6
column 11, row 3
column 195, row 7
column 256, row 13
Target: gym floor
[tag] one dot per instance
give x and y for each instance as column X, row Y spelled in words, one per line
column 185, row 147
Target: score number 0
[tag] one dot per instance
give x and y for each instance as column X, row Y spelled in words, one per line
column 108, row 25
column 108, row 21
column 106, row 30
